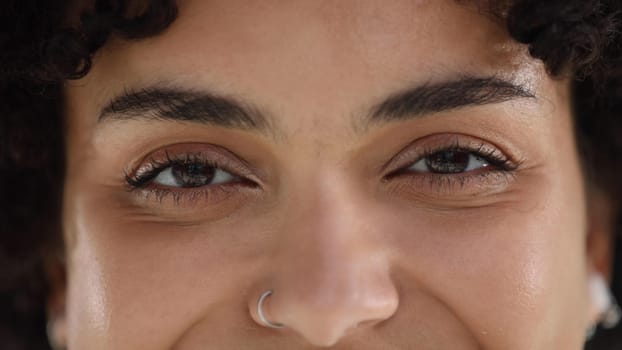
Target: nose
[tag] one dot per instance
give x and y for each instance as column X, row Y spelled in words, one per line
column 331, row 274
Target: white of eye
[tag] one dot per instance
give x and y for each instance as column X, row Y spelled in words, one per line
column 475, row 162
column 166, row 178
column 221, row 176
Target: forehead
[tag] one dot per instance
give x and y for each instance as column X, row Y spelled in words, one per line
column 322, row 56
column 291, row 40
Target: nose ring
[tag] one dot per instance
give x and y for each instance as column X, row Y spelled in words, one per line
column 262, row 317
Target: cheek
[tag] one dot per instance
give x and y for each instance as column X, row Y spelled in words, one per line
column 136, row 282
column 511, row 271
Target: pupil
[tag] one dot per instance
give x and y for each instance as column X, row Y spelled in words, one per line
column 193, row 174
column 448, row 162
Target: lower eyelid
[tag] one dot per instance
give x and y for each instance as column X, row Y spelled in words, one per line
column 450, row 186
column 210, row 195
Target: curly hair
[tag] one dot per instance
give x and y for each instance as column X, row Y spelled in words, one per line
column 40, row 49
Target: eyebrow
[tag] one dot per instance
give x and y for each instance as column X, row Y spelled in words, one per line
column 175, row 104
column 434, row 98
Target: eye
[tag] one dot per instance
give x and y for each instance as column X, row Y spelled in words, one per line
column 450, row 162
column 194, row 174
column 189, row 173
column 182, row 172
column 450, row 166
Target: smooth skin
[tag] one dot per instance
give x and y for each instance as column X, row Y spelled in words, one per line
column 357, row 258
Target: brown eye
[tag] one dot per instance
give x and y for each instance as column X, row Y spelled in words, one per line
column 449, row 162
column 192, row 174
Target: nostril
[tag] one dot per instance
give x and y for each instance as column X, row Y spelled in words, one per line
column 327, row 331
column 324, row 315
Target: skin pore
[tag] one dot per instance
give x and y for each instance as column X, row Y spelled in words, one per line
column 324, row 119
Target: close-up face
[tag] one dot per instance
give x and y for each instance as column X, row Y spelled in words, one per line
column 401, row 175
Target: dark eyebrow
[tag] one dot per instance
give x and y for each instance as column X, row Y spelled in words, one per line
column 165, row 103
column 438, row 97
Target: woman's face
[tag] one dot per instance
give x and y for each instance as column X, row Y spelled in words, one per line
column 401, row 174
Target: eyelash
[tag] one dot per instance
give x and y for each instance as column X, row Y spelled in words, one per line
column 140, row 179
column 503, row 170
column 493, row 156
